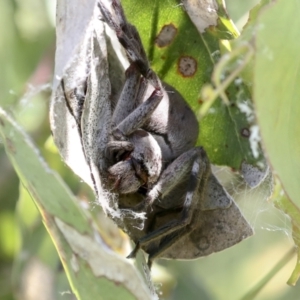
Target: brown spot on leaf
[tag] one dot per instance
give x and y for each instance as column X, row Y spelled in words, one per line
column 187, row 66
column 245, row 132
column 166, row 35
column 2, row 123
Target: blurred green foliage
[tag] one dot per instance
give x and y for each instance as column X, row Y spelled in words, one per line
column 27, row 44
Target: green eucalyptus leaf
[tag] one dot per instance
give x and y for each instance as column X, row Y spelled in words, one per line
column 276, row 91
column 93, row 269
column 276, row 95
column 40, row 257
column 45, row 186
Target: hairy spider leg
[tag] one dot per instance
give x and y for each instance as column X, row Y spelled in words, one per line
column 138, row 117
column 133, row 91
column 126, row 33
column 130, row 34
column 195, row 163
column 129, row 38
column 129, row 113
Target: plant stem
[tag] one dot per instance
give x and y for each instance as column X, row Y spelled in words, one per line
column 259, row 286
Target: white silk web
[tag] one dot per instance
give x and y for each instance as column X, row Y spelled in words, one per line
column 255, row 203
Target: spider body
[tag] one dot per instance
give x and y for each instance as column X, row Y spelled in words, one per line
column 154, row 166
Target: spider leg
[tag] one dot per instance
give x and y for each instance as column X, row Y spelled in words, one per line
column 167, row 242
column 138, row 117
column 126, row 34
column 129, row 114
column 176, row 171
column 133, row 90
column 130, row 39
column 130, row 34
column 195, row 163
